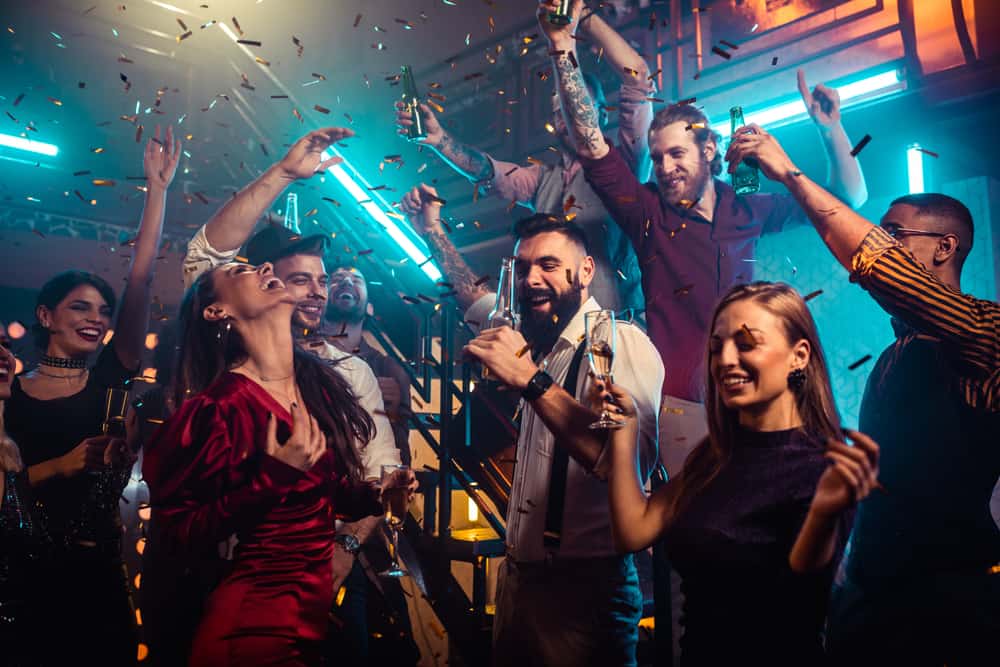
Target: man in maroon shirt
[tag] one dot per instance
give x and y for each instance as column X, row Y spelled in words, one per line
column 693, row 236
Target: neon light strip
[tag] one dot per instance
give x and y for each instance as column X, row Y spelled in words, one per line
column 915, row 169
column 20, row 143
column 790, row 110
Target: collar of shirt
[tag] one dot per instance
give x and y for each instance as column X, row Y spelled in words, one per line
column 576, row 329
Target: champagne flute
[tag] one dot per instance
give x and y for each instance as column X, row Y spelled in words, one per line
column 601, row 340
column 395, row 489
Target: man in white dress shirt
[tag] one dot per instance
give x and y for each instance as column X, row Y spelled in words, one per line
column 564, row 596
column 298, row 262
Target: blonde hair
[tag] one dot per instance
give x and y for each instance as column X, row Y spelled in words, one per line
column 814, row 399
column 10, row 457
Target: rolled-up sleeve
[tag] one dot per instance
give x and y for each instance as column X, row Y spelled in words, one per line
column 639, row 370
column 513, row 182
column 629, row 202
column 202, row 257
column 968, row 327
column 381, row 449
column 477, row 314
column 635, row 115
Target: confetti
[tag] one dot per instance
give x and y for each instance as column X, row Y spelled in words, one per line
column 357, row 20
column 321, row 109
column 183, row 36
column 103, row 182
column 237, row 25
column 366, row 252
column 860, row 145
column 19, row 98
column 683, row 291
column 138, row 134
column 812, row 295
column 859, row 362
column 924, row 150
column 728, row 44
column 629, row 70
column 774, row 61
column 720, row 52
column 262, row 61
column 524, row 350
column 690, row 100
column 550, row 128
column 248, row 42
column 295, row 112
column 512, row 170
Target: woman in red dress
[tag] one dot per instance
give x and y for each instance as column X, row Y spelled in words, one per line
column 260, row 448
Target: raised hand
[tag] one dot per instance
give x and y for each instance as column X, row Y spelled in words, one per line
column 852, row 475
column 304, row 446
column 305, row 157
column 159, row 162
column 823, row 103
column 432, row 127
column 558, row 35
column 422, row 205
column 751, row 141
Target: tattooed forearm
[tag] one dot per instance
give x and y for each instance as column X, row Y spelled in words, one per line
column 578, row 106
column 468, row 161
column 457, row 272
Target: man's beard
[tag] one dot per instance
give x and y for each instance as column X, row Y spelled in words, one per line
column 694, row 187
column 352, row 315
column 542, row 330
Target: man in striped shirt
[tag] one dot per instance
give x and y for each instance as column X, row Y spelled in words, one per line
column 922, row 572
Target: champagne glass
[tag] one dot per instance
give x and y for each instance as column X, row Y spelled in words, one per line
column 395, row 489
column 601, row 339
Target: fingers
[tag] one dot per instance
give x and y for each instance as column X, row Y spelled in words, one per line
column 271, row 444
column 427, row 190
column 804, row 87
column 326, row 164
column 869, row 446
column 300, row 421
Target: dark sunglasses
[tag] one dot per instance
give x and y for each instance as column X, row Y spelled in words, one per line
column 896, row 232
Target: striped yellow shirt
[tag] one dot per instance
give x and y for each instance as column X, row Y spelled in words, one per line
column 967, row 328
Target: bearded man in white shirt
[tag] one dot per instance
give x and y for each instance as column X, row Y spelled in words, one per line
column 564, row 595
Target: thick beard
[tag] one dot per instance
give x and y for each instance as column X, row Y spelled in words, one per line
column 695, row 188
column 540, row 330
column 353, row 316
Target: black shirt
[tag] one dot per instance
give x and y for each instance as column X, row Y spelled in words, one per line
column 47, row 429
column 731, row 544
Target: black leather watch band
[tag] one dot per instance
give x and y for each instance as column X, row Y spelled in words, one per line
column 538, row 385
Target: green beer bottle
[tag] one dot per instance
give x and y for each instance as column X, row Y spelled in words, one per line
column 563, row 15
column 411, row 102
column 746, row 178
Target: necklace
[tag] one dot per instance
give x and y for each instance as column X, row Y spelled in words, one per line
column 61, row 362
column 61, row 377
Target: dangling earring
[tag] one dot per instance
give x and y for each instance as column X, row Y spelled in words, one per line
column 796, row 379
column 224, row 330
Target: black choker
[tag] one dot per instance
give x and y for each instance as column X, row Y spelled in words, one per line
column 59, row 362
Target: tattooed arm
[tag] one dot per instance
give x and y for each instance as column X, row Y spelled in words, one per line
column 424, row 209
column 466, row 160
column 582, row 118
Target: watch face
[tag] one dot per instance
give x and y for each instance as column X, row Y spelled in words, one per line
column 349, row 542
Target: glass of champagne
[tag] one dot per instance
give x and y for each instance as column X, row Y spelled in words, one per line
column 600, row 325
column 395, row 490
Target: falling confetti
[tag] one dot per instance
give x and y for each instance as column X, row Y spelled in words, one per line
column 860, row 145
column 859, row 362
column 812, row 295
column 721, row 52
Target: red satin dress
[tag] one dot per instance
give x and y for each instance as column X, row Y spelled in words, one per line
column 209, row 478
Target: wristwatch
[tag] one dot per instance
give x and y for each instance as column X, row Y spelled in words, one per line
column 348, row 543
column 537, row 385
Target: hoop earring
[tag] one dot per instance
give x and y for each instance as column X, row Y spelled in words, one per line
column 796, row 379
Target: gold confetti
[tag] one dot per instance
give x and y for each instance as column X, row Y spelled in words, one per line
column 237, row 25
column 550, row 128
column 262, row 61
column 311, row 213
column 103, row 182
column 524, row 350
column 183, row 36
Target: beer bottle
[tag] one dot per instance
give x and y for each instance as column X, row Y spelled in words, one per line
column 504, row 313
column 746, row 178
column 411, row 103
column 292, row 213
column 563, row 15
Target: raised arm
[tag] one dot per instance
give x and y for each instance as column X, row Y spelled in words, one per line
column 160, row 165
column 582, row 117
column 424, row 208
column 466, row 160
column 232, row 224
column 635, row 110
column 844, row 177
column 636, row 520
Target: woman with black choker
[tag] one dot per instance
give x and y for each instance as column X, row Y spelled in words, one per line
column 56, row 414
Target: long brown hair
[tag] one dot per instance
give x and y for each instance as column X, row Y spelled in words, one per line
column 814, row 400
column 209, row 349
